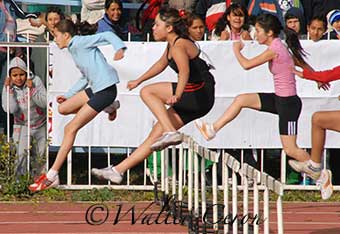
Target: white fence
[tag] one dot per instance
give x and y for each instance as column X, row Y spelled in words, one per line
column 237, row 81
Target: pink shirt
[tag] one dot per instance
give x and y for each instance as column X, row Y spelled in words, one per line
column 281, row 67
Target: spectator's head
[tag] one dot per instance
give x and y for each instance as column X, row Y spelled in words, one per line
column 316, row 28
column 66, row 29
column 235, row 16
column 53, row 16
column 113, row 9
column 168, row 21
column 196, row 26
column 294, row 20
column 333, row 18
column 17, row 71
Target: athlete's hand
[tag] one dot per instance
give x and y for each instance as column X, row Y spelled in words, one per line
column 132, row 84
column 238, row 45
column 61, row 99
column 324, row 86
column 298, row 73
column 172, row 100
column 119, row 55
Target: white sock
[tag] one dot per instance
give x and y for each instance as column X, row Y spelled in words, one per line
column 51, row 174
column 314, row 164
column 115, row 171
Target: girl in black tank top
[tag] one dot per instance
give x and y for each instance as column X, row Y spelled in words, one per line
column 190, row 98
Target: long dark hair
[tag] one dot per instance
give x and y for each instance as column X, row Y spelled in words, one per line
column 109, row 2
column 83, row 28
column 238, row 10
column 270, row 22
column 171, row 17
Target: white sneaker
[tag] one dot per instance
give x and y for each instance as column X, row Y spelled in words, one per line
column 112, row 107
column 305, row 167
column 167, row 139
column 108, row 173
column 325, row 183
column 206, row 129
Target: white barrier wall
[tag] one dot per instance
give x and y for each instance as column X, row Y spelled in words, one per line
column 251, row 129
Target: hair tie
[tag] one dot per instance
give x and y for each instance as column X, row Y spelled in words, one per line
column 181, row 12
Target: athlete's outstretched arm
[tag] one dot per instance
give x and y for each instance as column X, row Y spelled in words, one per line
column 154, row 70
column 246, row 63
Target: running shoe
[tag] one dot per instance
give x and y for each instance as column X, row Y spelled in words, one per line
column 112, row 110
column 305, row 167
column 206, row 129
column 108, row 173
column 42, row 183
column 325, row 183
column 167, row 139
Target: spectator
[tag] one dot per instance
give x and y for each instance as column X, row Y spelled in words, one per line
column 232, row 25
column 212, row 10
column 112, row 20
column 18, row 81
column 275, row 7
column 92, row 10
column 294, row 20
column 333, row 19
column 49, row 19
column 53, row 16
column 196, row 27
column 316, row 28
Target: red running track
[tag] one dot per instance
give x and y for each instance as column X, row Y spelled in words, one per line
column 64, row 218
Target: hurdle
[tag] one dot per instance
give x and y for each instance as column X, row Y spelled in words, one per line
column 206, row 209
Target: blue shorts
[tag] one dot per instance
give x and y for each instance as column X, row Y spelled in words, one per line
column 101, row 99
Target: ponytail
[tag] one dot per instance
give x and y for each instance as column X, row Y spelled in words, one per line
column 83, row 28
column 294, row 45
column 173, row 17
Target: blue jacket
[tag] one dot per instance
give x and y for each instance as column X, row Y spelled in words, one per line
column 105, row 24
column 257, row 7
column 91, row 62
column 3, row 36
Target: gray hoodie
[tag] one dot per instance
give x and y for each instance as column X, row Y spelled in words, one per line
column 18, row 101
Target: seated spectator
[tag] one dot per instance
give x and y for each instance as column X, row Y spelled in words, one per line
column 316, row 28
column 233, row 24
column 18, row 81
column 333, row 19
column 294, row 19
column 196, row 26
column 112, row 20
column 49, row 19
column 212, row 10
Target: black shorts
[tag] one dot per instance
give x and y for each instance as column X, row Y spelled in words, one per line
column 288, row 109
column 195, row 103
column 101, row 99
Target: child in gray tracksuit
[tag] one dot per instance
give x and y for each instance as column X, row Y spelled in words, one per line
column 18, row 81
